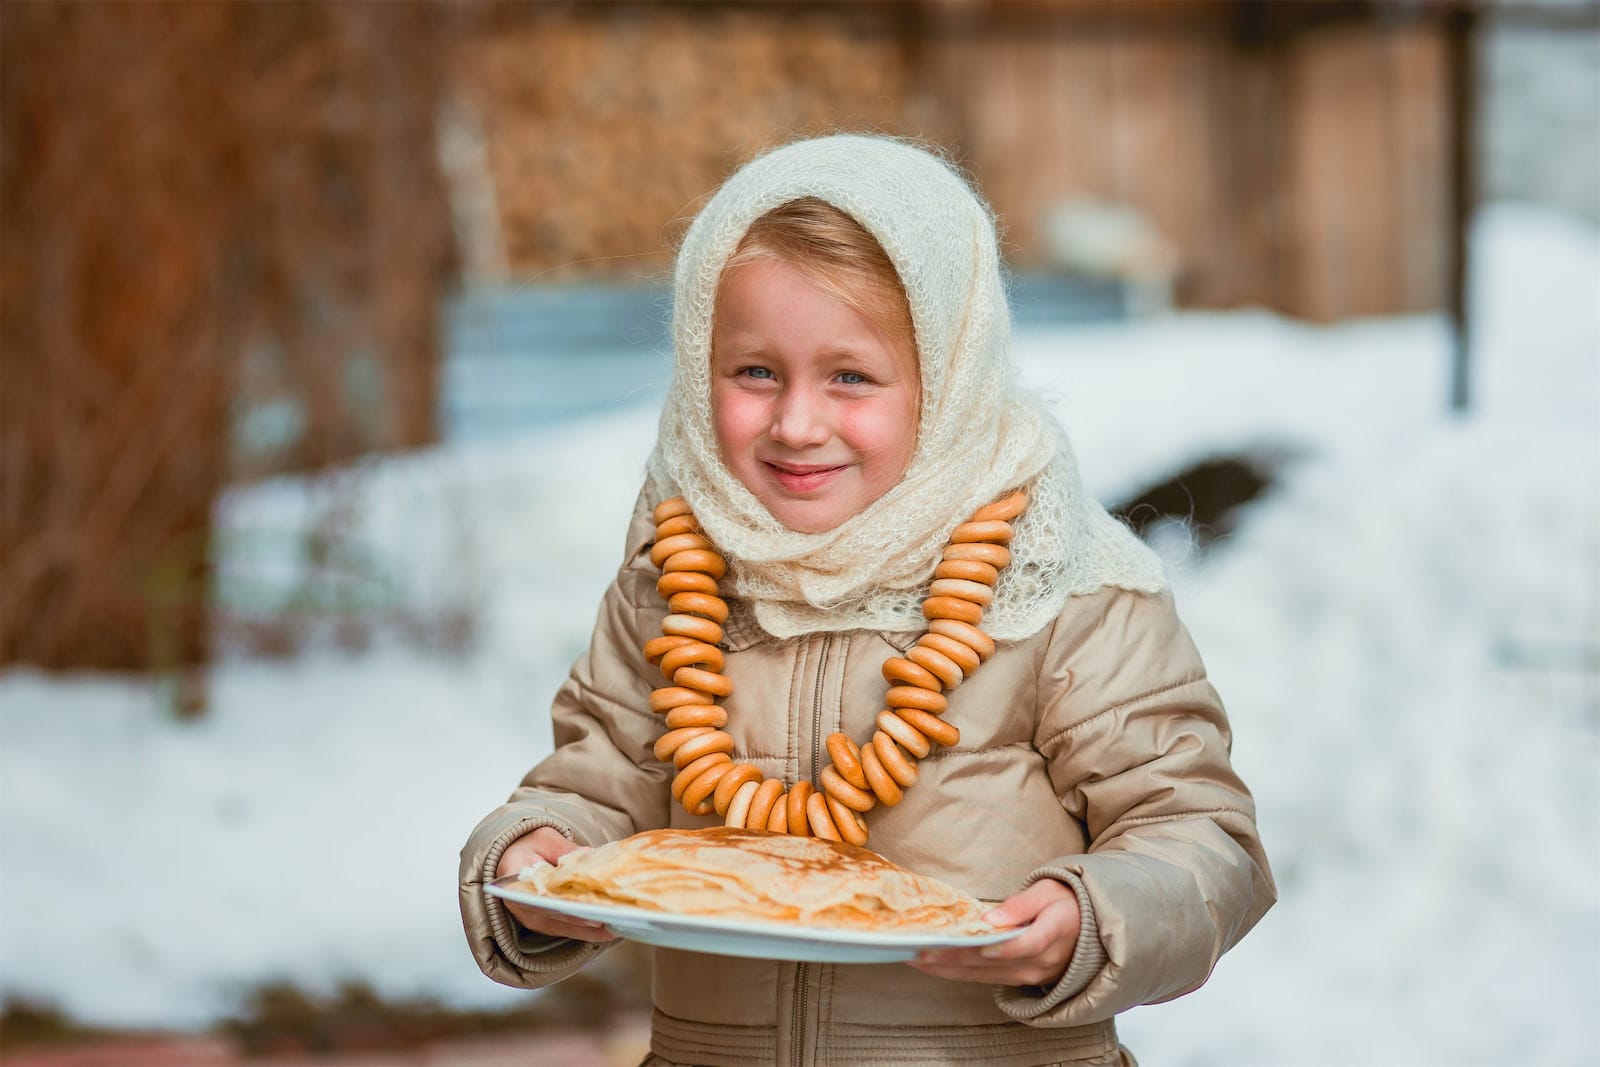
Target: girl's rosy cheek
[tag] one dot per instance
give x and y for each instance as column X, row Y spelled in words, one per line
column 879, row 427
column 738, row 416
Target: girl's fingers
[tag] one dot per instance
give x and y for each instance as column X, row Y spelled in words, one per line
column 544, row 922
column 1033, row 942
column 1027, row 905
column 1010, row 973
column 1056, row 926
column 1037, row 956
column 544, row 845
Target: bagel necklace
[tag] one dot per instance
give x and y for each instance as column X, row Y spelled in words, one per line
column 859, row 776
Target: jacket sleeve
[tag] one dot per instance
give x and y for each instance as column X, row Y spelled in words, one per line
column 1137, row 747
column 601, row 784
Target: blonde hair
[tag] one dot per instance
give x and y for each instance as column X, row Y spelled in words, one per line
column 836, row 254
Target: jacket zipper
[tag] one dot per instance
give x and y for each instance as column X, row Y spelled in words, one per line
column 802, row 974
column 816, row 707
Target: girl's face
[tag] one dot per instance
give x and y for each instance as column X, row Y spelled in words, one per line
column 815, row 405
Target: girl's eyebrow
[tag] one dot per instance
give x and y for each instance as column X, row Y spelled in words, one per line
column 860, row 355
column 738, row 351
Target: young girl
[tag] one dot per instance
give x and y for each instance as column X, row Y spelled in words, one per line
column 842, row 406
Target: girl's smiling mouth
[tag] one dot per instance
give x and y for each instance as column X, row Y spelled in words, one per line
column 802, row 477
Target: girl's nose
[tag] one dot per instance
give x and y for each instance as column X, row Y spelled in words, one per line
column 800, row 419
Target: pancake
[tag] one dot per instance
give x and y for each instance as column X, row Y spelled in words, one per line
column 752, row 874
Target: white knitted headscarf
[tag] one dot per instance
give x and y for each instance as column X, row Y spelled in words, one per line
column 979, row 435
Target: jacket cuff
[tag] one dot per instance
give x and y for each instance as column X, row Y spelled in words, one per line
column 538, row 958
column 1029, row 1003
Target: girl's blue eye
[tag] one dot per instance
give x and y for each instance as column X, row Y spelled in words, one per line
column 850, row 377
column 758, row 372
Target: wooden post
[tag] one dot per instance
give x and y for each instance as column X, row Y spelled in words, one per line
column 1460, row 29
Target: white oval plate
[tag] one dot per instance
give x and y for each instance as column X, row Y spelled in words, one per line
column 747, row 937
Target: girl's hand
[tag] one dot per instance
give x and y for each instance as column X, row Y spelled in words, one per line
column 545, row 845
column 1037, row 956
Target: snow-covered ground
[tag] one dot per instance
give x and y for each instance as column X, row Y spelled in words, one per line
column 1406, row 629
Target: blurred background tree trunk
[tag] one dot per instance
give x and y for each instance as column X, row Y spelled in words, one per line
column 205, row 207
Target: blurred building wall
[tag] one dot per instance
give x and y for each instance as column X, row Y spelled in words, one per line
column 1292, row 155
column 607, row 125
column 1294, row 164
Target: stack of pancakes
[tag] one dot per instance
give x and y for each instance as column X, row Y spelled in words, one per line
column 751, row 874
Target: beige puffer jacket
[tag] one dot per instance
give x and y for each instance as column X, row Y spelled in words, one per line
column 1094, row 752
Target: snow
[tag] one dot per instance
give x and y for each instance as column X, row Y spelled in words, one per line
column 1404, row 627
